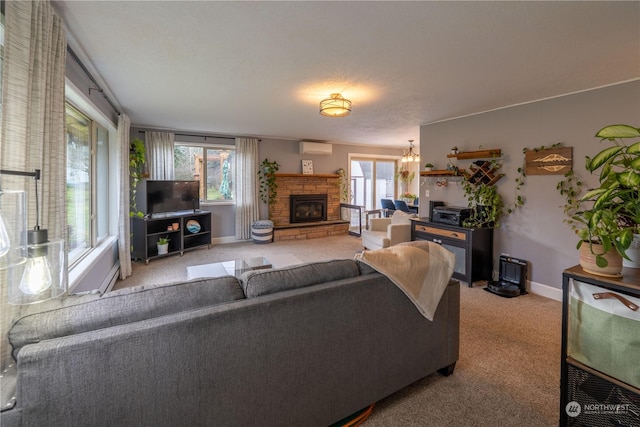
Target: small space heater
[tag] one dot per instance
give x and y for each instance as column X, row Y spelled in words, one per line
column 512, row 280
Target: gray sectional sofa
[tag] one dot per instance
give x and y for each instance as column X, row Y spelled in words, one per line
column 302, row 346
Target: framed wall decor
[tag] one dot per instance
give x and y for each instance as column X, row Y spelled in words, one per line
column 307, row 167
column 550, row 161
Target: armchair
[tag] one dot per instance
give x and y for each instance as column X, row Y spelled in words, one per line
column 385, row 232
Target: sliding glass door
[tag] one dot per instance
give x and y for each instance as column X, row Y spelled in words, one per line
column 372, row 180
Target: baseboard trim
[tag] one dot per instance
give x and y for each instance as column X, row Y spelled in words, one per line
column 111, row 278
column 546, row 291
column 227, row 239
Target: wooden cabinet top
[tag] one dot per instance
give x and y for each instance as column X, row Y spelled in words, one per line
column 630, row 278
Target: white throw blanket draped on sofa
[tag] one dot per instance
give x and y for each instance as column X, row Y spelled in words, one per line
column 420, row 269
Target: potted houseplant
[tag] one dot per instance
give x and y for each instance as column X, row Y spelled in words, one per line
column 428, row 167
column 408, row 198
column 404, row 177
column 486, row 203
column 163, row 245
column 607, row 217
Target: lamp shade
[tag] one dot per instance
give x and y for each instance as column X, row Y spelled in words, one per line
column 410, row 155
column 336, row 106
column 41, row 274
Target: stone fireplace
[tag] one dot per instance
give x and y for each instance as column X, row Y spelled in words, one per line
column 307, row 208
column 326, row 185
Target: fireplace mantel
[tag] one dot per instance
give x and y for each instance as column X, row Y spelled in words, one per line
column 307, row 175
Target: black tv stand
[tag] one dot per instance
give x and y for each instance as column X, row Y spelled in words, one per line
column 146, row 232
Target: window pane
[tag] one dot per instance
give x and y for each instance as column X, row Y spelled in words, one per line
column 78, row 129
column 102, row 182
column 361, row 182
column 220, row 172
column 187, row 162
column 385, row 184
column 367, row 192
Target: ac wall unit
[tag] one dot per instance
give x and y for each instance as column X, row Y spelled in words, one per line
column 307, row 147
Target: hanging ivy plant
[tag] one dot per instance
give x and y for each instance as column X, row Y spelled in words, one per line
column 267, row 178
column 137, row 159
column 343, row 184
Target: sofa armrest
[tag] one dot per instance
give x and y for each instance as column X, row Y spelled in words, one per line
column 379, row 224
column 399, row 233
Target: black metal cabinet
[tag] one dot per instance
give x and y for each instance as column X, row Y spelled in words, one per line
column 592, row 391
column 473, row 247
column 175, row 227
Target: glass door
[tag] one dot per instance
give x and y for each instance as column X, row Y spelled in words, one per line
column 372, row 180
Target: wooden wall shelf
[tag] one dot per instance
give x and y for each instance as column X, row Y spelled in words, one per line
column 307, row 175
column 481, row 154
column 483, row 174
column 443, row 172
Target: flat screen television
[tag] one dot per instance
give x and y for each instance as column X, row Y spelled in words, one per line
column 162, row 196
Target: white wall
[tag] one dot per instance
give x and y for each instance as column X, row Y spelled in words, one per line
column 536, row 232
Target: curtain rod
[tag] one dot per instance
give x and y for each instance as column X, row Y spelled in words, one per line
column 98, row 88
column 197, row 136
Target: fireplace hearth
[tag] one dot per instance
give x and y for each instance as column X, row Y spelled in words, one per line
column 307, row 208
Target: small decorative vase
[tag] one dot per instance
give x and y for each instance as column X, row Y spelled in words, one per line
column 163, row 249
column 588, row 260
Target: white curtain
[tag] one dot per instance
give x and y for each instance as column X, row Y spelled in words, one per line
column 160, row 154
column 247, row 201
column 124, row 221
column 33, row 118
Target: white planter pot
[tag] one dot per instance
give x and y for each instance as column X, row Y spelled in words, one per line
column 163, row 249
column 634, row 253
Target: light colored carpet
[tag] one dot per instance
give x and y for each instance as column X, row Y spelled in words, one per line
column 174, row 268
column 509, row 368
column 508, row 373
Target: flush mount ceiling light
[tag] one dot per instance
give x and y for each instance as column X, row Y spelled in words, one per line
column 410, row 156
column 336, row 106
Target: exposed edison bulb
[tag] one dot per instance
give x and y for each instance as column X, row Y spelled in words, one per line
column 5, row 244
column 36, row 277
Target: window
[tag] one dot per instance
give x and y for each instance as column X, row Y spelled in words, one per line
column 213, row 166
column 87, row 183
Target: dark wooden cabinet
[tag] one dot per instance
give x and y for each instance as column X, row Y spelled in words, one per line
column 147, row 231
column 599, row 367
column 473, row 247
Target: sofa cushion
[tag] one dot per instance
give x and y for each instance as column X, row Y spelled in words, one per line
column 264, row 282
column 81, row 313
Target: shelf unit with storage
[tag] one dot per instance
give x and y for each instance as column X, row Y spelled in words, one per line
column 599, row 377
column 146, row 232
column 473, row 247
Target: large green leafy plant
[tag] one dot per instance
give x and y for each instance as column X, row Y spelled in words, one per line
column 608, row 215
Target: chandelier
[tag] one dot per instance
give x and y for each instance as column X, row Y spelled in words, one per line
column 410, row 155
column 336, row 106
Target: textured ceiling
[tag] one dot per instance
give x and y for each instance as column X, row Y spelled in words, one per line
column 261, row 68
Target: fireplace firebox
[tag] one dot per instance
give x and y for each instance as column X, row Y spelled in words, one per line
column 307, row 208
